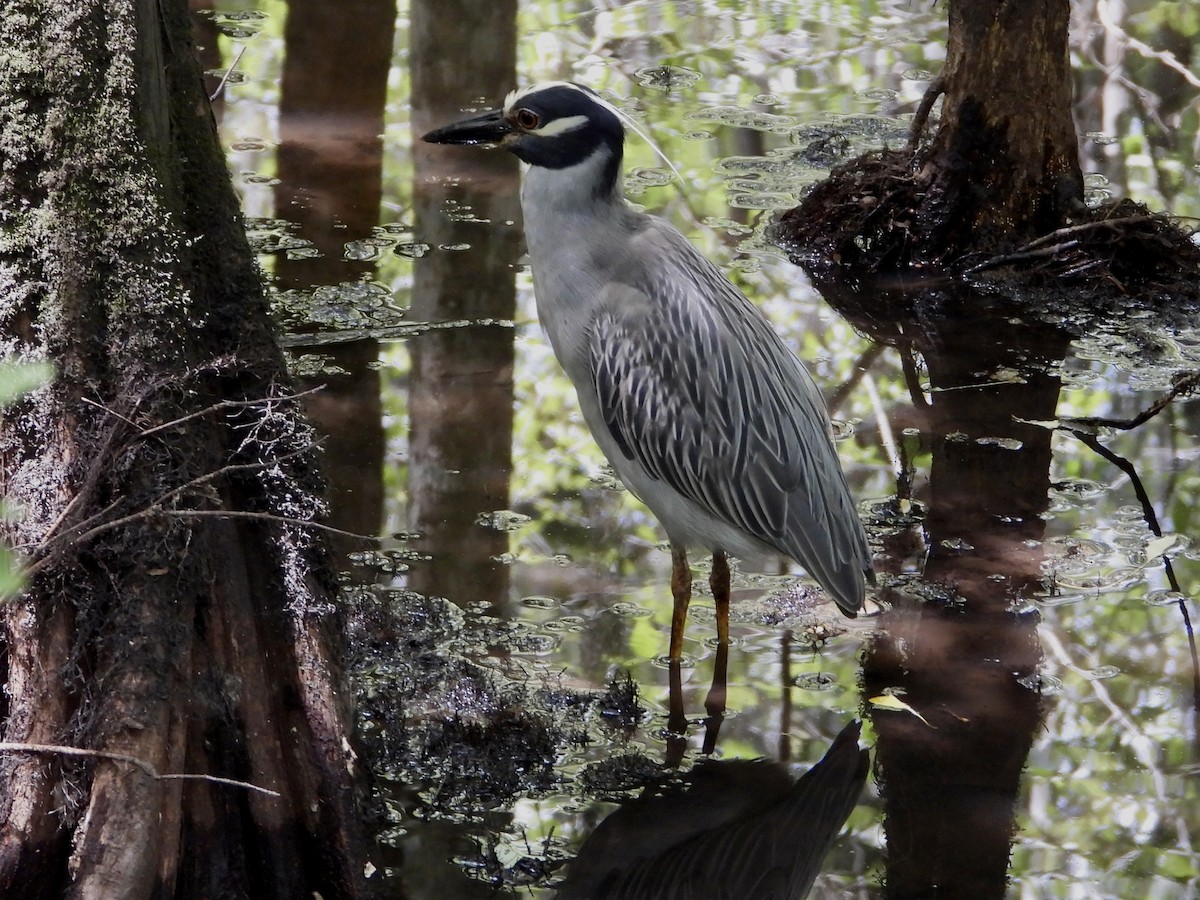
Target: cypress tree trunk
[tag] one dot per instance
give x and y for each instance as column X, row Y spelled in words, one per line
column 1004, row 163
column 179, row 603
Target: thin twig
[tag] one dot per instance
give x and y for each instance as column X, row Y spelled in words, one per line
column 1183, row 383
column 227, row 404
column 1166, row 57
column 1139, row 490
column 224, row 78
column 262, row 516
column 148, row 768
column 1036, row 249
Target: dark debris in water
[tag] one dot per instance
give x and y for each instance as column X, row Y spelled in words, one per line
column 621, row 705
column 467, row 734
column 485, row 762
column 865, row 221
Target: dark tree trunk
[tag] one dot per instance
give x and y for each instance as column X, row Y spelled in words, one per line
column 178, row 606
column 1001, row 168
column 1004, row 163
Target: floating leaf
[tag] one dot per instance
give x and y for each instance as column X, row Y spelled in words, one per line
column 1160, row 545
column 895, row 704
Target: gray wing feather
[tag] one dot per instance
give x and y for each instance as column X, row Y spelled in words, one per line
column 696, row 387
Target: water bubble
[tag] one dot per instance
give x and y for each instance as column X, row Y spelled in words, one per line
column 1102, row 672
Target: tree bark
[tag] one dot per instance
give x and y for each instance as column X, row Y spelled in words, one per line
column 1004, row 164
column 178, row 609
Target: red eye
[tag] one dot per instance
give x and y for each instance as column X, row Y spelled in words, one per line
column 527, row 119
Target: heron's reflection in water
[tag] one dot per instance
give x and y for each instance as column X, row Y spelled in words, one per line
column 729, row 829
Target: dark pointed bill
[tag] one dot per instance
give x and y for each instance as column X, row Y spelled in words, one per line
column 486, row 128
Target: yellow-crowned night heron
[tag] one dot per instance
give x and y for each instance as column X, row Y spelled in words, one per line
column 702, row 410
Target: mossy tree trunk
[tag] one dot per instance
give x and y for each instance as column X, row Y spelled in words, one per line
column 1004, row 163
column 179, row 605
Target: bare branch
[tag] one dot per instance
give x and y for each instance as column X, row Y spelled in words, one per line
column 148, row 768
column 1183, row 384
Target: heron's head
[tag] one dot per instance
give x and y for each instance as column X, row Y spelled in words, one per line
column 555, row 125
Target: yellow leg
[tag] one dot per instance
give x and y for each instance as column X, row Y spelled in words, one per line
column 681, row 593
column 718, row 580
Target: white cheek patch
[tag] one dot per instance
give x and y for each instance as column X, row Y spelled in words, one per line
column 560, row 126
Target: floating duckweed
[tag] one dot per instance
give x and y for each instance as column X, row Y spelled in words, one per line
column 842, row 430
column 502, row 520
column 667, row 78
column 1078, row 488
column 1060, row 599
column 567, row 624
column 1100, row 581
column 1046, row 685
column 536, row 644
column 651, row 176
column 1166, row 598
column 626, row 610
column 815, row 681
column 1001, row 442
column 1067, row 547
column 538, row 602
column 729, row 226
column 664, row 662
column 412, row 249
column 958, row 544
column 739, row 117
column 879, row 95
